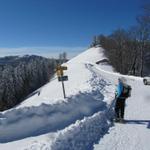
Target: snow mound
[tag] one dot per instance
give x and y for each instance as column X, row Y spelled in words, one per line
column 84, row 134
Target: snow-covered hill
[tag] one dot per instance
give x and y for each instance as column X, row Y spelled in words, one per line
column 45, row 120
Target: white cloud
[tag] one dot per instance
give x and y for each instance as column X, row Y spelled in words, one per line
column 42, row 51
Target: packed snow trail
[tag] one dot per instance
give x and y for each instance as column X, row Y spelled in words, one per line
column 83, row 134
column 135, row 133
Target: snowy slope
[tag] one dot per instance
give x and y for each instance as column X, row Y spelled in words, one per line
column 48, row 121
column 48, row 116
column 78, row 75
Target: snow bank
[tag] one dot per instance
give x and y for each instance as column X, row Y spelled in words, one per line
column 32, row 121
column 83, row 134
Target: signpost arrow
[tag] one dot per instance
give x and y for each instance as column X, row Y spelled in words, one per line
column 63, row 78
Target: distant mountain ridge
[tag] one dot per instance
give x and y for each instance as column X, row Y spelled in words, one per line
column 17, row 59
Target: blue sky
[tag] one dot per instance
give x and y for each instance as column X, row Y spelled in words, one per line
column 48, row 27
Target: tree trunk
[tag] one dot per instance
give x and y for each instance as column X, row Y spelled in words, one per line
column 142, row 60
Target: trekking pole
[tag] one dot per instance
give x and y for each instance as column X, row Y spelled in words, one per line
column 111, row 106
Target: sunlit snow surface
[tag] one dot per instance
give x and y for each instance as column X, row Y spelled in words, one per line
column 48, row 121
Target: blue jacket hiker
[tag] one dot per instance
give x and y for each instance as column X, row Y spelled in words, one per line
column 119, row 89
column 122, row 92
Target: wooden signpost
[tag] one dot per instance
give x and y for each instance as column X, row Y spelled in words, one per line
column 61, row 78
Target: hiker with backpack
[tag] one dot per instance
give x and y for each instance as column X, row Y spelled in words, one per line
column 122, row 93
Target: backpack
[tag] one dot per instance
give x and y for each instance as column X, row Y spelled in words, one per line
column 126, row 91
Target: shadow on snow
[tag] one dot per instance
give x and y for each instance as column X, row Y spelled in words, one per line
column 139, row 122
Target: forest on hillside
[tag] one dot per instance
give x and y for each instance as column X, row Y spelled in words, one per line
column 20, row 76
column 128, row 50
